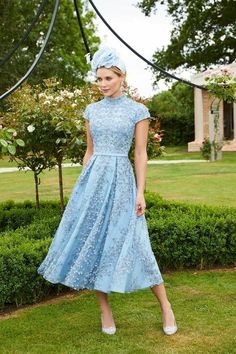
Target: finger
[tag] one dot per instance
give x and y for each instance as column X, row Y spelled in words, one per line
column 138, row 209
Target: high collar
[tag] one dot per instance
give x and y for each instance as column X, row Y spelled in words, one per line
column 114, row 99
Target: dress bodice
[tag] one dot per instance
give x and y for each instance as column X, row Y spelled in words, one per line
column 112, row 122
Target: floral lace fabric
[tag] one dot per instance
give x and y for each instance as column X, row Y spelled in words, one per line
column 101, row 243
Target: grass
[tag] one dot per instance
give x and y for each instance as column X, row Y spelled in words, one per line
column 204, row 305
column 172, row 153
column 203, row 301
column 20, row 185
column 180, row 153
column 211, row 183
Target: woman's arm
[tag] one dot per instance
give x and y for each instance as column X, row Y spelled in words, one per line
column 140, row 160
column 89, row 150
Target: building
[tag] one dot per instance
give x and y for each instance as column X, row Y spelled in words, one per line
column 202, row 110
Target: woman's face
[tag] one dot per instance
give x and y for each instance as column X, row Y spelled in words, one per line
column 109, row 82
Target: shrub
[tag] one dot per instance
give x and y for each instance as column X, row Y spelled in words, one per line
column 184, row 236
column 206, row 149
column 22, row 250
column 14, row 215
column 175, row 111
column 20, row 283
column 181, row 235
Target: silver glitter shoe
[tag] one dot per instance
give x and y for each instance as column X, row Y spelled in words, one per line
column 169, row 330
column 108, row 330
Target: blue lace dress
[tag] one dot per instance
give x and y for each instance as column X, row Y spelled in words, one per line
column 101, row 243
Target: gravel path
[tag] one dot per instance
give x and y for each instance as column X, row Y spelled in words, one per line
column 158, row 162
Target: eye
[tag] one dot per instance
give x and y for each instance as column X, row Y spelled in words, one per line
column 108, row 78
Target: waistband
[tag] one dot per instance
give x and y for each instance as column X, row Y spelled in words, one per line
column 110, row 153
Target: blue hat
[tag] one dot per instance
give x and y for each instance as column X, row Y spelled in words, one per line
column 107, row 57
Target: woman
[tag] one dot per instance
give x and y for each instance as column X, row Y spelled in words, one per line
column 102, row 241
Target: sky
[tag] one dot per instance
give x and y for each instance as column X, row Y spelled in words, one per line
column 144, row 34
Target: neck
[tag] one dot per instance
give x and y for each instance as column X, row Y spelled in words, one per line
column 114, row 98
column 116, row 94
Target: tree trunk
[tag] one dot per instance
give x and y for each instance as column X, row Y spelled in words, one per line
column 36, row 182
column 61, row 186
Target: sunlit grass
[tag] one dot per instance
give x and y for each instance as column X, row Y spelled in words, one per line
column 204, row 305
column 212, row 183
column 203, row 302
column 180, row 153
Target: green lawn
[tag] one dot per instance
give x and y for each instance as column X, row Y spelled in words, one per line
column 204, row 305
column 203, row 301
column 20, row 185
column 212, row 183
column 172, row 153
column 5, row 163
column 180, row 153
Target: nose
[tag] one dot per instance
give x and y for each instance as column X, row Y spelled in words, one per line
column 103, row 84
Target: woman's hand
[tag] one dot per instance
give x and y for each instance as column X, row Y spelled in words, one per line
column 140, row 204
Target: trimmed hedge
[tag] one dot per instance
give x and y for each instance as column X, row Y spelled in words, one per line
column 14, row 215
column 24, row 242
column 182, row 236
column 191, row 236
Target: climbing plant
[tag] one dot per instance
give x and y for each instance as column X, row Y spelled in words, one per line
column 221, row 85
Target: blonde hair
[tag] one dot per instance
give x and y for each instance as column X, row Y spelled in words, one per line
column 117, row 71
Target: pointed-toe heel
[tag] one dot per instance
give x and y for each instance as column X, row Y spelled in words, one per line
column 108, row 330
column 169, row 330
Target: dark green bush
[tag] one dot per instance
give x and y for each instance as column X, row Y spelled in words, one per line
column 22, row 250
column 191, row 236
column 182, row 236
column 175, row 111
column 14, row 215
column 178, row 130
column 20, row 284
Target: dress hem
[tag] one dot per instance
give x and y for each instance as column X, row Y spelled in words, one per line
column 105, row 291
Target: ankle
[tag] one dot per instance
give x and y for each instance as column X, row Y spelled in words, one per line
column 166, row 306
column 106, row 312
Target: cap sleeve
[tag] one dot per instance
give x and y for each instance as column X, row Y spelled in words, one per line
column 86, row 113
column 141, row 113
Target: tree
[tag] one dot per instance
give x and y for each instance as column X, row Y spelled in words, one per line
column 204, row 33
column 48, row 117
column 34, row 130
column 64, row 54
column 63, row 106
